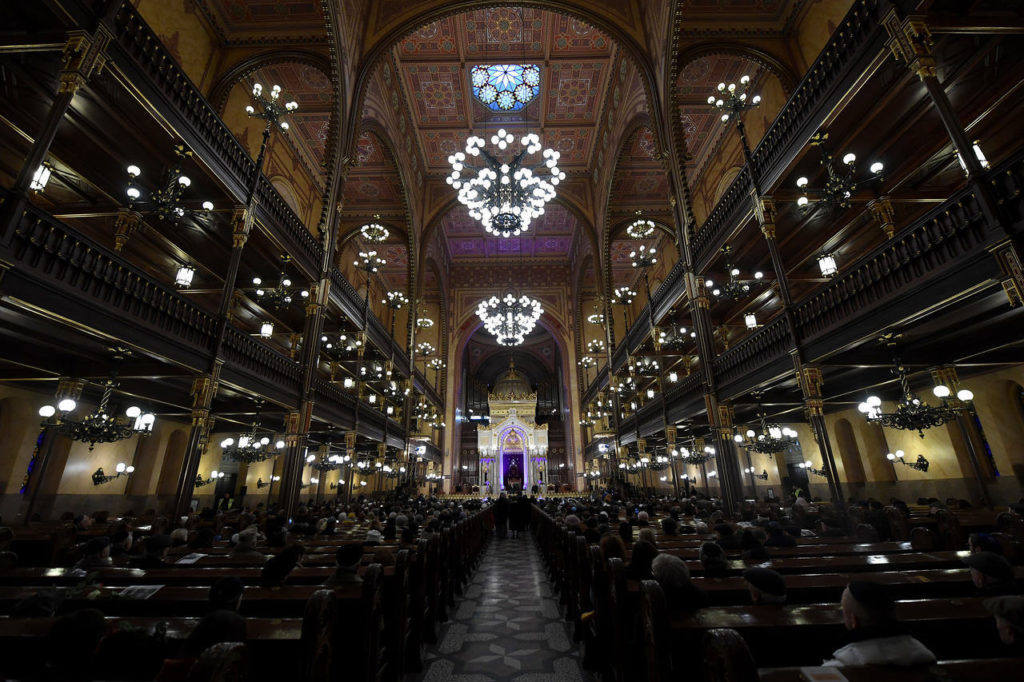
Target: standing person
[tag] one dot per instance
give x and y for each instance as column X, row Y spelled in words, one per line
column 501, row 516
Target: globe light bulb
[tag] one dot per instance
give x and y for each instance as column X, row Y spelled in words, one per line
column 941, row 391
column 66, row 405
column 965, row 394
column 47, row 411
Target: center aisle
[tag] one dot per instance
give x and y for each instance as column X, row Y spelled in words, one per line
column 506, row 625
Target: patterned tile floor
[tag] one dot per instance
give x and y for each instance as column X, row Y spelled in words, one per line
column 506, row 625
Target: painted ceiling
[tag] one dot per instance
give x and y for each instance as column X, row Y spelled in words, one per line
column 549, row 238
column 239, row 22
column 575, row 61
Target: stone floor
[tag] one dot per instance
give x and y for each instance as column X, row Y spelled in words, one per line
column 506, row 625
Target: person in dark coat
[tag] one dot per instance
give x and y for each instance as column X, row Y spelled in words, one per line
column 519, row 515
column 501, row 512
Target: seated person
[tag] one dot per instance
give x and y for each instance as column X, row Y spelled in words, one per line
column 878, row 637
column 226, row 594
column 641, row 560
column 647, row 535
column 727, row 536
column 777, row 537
column 95, row 554
column 347, row 559
column 765, row 586
column 154, row 552
column 72, row 644
column 215, row 628
column 279, row 567
column 670, row 526
column 752, row 543
column 992, row 574
column 674, row 577
column 1009, row 615
column 983, row 542
column 712, row 557
column 626, row 532
column 245, row 547
column 612, row 546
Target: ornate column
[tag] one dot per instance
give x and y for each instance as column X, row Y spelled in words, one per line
column 84, row 54
column 296, row 428
column 203, row 390
column 125, row 224
column 811, row 380
column 947, row 376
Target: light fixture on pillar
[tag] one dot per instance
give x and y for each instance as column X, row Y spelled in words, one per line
column 735, row 288
column 326, row 461
column 260, row 483
column 750, row 320
column 623, row 296
column 436, row 364
column 183, row 278
column 369, row 262
column 214, row 476
column 425, row 348
column 283, row 293
column 507, row 191
column 808, row 465
column 732, row 99
column 271, row 109
column 373, row 231
column 41, row 177
column 101, row 426
column 167, row 200
column 840, row 184
column 643, row 257
column 266, row 329
column 772, row 438
column 509, row 318
column 395, row 300
column 921, row 464
column 99, row 478
column 978, row 154
column 252, row 446
column 827, row 265
column 752, row 472
column 595, row 346
column 640, row 228
column 911, row 413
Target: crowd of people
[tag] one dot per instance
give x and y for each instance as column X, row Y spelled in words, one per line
column 614, row 523
column 80, row 642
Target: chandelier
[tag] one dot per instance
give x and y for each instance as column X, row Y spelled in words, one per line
column 507, row 191
column 595, row 346
column 424, row 322
column 280, row 295
column 692, row 455
column 644, row 366
column 732, row 99
column 736, row 288
column 167, row 199
column 101, row 426
column 587, row 362
column 595, row 318
column 911, row 413
column 509, row 319
column 251, row 447
column 369, row 262
column 773, row 438
column 337, row 346
column 374, row 231
column 641, row 228
column 327, row 462
column 425, row 348
column 437, row 364
column 643, row 257
column 623, row 296
column 840, row 184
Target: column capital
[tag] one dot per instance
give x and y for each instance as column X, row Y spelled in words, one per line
column 1009, row 262
column 241, row 225
column 83, row 54
column 125, row 224
column 699, row 292
column 70, row 388
column 204, row 387
column 884, row 214
column 911, row 42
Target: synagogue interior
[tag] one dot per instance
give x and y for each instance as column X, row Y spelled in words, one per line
column 632, row 340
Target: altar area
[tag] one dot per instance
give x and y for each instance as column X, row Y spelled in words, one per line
column 512, row 448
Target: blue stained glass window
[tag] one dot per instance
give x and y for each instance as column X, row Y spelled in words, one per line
column 505, row 87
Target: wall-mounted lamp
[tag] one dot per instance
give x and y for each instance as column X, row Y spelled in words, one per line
column 99, row 478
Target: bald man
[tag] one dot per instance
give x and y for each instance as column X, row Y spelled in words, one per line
column 878, row 638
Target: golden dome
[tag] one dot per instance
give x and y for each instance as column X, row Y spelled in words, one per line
column 512, row 383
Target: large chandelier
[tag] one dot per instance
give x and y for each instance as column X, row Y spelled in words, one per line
column 773, row 438
column 280, row 295
column 168, row 199
column 509, row 318
column 373, row 231
column 251, row 446
column 640, row 228
column 326, row 461
column 694, row 456
column 101, row 426
column 507, row 191
column 735, row 288
column 840, row 184
column 911, row 413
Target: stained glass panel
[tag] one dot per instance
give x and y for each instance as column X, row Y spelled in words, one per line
column 505, row 87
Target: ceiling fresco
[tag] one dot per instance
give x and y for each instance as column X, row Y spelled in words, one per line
column 264, row 21
column 575, row 62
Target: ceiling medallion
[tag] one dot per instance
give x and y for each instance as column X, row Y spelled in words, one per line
column 506, row 192
column 509, row 318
